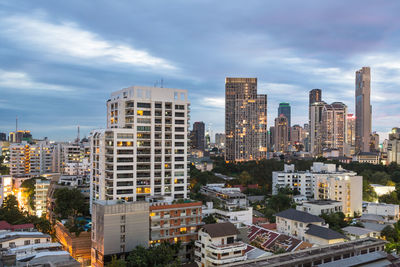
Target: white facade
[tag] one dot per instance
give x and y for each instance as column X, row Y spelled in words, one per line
column 6, row 184
column 41, row 189
column 346, row 188
column 27, row 159
column 382, row 189
column 319, row 207
column 9, row 239
column 239, row 216
column 389, row 211
column 214, row 251
column 144, row 150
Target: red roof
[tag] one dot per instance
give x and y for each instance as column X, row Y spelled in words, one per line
column 269, row 226
column 6, row 226
column 257, row 220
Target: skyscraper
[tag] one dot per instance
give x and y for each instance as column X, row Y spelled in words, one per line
column 315, row 95
column 284, row 108
column 351, row 133
column 315, row 135
column 245, row 120
column 281, row 134
column 363, row 109
column 334, row 126
column 143, row 151
column 198, row 135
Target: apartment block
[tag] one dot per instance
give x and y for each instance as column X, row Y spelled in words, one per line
column 334, row 127
column 389, row 211
column 318, row 207
column 117, row 228
column 217, row 244
column 30, row 160
column 281, row 134
column 245, row 120
column 144, row 150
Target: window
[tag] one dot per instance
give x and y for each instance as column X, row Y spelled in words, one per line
column 122, row 248
column 122, row 228
column 230, row 240
column 122, row 218
column 176, row 95
column 37, row 241
column 122, row 238
column 12, row 244
column 27, row 242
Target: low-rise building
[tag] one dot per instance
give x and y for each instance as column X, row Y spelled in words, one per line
column 389, row 211
column 367, row 157
column 14, row 239
column 382, row 189
column 354, row 232
column 318, row 207
column 306, row 227
column 217, row 244
column 173, row 222
column 238, row 216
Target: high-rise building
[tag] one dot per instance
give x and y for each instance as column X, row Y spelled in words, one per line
column 19, row 136
column 143, row 152
column 315, row 135
column 197, row 135
column 315, row 95
column 281, row 134
column 284, row 108
column 374, row 142
column 351, row 130
column 297, row 136
column 3, row 137
column 220, row 140
column 393, row 146
column 245, row 120
column 271, row 138
column 334, row 126
column 363, row 109
column 30, row 160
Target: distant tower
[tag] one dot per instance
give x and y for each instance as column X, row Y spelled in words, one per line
column 363, row 109
column 78, row 138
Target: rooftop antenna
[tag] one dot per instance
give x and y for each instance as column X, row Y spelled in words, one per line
column 162, row 83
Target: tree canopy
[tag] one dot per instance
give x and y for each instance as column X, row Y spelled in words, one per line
column 70, row 203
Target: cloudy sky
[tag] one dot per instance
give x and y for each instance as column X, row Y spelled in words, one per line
column 60, row 60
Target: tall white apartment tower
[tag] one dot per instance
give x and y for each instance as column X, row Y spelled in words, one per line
column 143, row 151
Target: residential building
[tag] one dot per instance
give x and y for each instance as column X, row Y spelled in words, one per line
column 303, row 182
column 297, row 135
column 40, row 200
column 362, row 251
column 363, row 109
column 355, row 233
column 393, row 146
column 217, row 244
column 334, row 126
column 281, row 134
column 351, row 134
column 143, row 152
column 117, row 228
column 20, row 136
column 30, row 160
column 383, row 189
column 316, row 130
column 346, row 188
column 176, row 221
column 389, row 211
column 315, row 95
column 11, row 239
column 318, row 207
column 220, row 140
column 245, row 120
column 306, row 227
column 197, row 136
column 273, row 241
column 6, row 186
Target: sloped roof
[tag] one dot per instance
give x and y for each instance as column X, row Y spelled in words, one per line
column 220, row 229
column 299, row 216
column 323, row 232
column 353, row 230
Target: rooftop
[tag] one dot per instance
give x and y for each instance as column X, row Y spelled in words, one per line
column 323, row 232
column 220, row 229
column 353, row 230
column 299, row 216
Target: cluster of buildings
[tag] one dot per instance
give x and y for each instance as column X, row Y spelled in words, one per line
column 331, row 131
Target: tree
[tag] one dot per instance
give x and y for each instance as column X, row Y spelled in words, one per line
column 369, row 193
column 164, row 254
column 4, row 170
column 116, row 262
column 336, row 220
column 209, row 219
column 390, row 234
column 70, row 202
column 244, row 178
column 390, row 198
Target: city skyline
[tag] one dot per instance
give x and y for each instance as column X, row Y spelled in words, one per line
column 47, row 75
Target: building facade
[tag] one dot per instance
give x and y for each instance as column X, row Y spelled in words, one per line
column 316, row 132
column 245, row 120
column 363, row 109
column 281, row 134
column 144, row 150
column 334, row 126
column 197, row 136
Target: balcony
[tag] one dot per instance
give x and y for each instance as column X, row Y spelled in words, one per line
column 215, row 260
column 226, row 248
